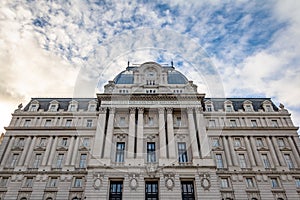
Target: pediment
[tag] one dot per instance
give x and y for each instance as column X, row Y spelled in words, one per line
column 54, row 102
column 240, row 149
column 62, row 149
column 266, row 102
column 263, row 149
column 247, row 102
column 208, row 102
column 39, row 148
column 217, row 148
column 35, row 102
column 227, row 102
column 285, row 149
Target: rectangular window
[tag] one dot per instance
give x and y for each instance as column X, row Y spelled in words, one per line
column 288, row 161
column 219, row 161
column 228, row 108
column 242, row 161
column 14, row 160
column 68, row 122
column 28, row 182
column 27, row 122
column 48, row 122
column 237, row 142
column 211, row 123
column 151, row 190
column 187, row 190
column 151, row 157
column 53, row 182
column 224, row 183
column 82, row 162
column 150, row 121
column 208, row 108
column 64, row 142
column 274, row 123
column 72, row 108
column 266, row 161
column 122, row 121
column 182, row 154
column 232, row 123
column 92, row 108
column 297, row 181
column 37, row 160
column 248, row 108
column 250, row 183
column 216, row 142
column 254, row 123
column 178, row 121
column 33, row 108
column 3, row 181
column 78, row 182
column 274, row 183
column 259, row 142
column 120, row 152
column 52, row 108
column 59, row 160
column 280, row 142
column 115, row 190
column 268, row 108
column 89, row 123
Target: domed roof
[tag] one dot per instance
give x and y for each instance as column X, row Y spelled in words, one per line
column 174, row 77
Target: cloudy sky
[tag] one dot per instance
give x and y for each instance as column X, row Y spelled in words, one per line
column 238, row 48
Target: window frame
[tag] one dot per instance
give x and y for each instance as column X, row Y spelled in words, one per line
column 120, row 152
column 151, row 152
column 115, row 190
column 182, row 152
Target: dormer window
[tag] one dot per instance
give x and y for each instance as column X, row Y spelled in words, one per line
column 248, row 106
column 209, row 106
column 268, row 108
column 92, row 106
column 228, row 108
column 151, row 77
column 73, row 106
column 267, row 105
column 34, row 106
column 52, row 108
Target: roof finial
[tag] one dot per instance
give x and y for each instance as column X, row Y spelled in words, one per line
column 128, row 63
column 172, row 63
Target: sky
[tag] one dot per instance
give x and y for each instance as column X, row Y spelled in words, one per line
column 237, row 48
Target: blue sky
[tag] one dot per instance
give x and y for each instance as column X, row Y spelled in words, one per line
column 237, row 48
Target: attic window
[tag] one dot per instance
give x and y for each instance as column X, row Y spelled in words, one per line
column 52, row 108
column 228, row 108
column 33, row 107
column 72, row 107
column 268, row 108
column 248, row 108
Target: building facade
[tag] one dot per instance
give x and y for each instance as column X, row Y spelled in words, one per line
column 150, row 135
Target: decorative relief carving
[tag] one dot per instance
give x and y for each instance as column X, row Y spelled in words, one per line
column 132, row 110
column 161, row 110
column 133, row 181
column 98, row 177
column 102, row 110
column 205, row 180
column 169, row 180
column 189, row 110
column 141, row 110
column 169, row 110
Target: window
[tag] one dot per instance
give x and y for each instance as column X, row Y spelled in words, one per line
column 254, row 123
column 122, row 121
column 242, row 161
column 209, row 108
column 151, row 152
column 187, row 190
column 250, row 183
column 33, row 107
column 52, row 108
column 37, row 160
column 268, row 108
column 280, row 142
column 150, row 121
column 89, row 123
column 274, row 183
column 211, row 123
column 259, row 142
column 72, row 108
column 3, row 181
column 232, row 123
column 68, row 122
column 182, row 152
column 86, row 142
column 64, row 142
column 297, row 181
column 14, row 160
column 237, row 142
column 288, row 161
column 48, row 122
column 120, row 152
column 216, row 142
column 178, row 121
column 78, row 182
column 28, row 182
column 115, row 190
column 228, row 108
column 266, row 161
column 53, row 182
column 27, row 122
column 92, row 107
column 219, row 161
column 151, row 190
column 59, row 160
column 274, row 123
column 82, row 162
column 248, row 108
column 224, row 183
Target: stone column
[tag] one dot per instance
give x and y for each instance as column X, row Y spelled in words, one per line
column 109, row 134
column 47, row 151
column 192, row 131
column 99, row 136
column 131, row 133
column 162, row 133
column 140, row 133
column 204, row 141
column 278, row 152
column 227, row 151
column 7, row 152
column 250, row 152
column 171, row 139
column 273, row 154
column 294, row 150
column 254, row 149
column 234, row 157
column 70, row 151
column 76, row 146
column 30, row 152
column 53, row 150
column 25, row 151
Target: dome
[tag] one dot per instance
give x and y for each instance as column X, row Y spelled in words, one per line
column 174, row 77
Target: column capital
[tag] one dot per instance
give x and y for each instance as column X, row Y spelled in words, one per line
column 161, row 110
column 132, row 110
column 141, row 110
column 189, row 110
column 199, row 110
column 169, row 110
column 102, row 110
column 112, row 110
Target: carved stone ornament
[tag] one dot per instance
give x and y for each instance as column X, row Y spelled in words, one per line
column 133, row 183
column 97, row 183
column 205, row 183
column 169, row 183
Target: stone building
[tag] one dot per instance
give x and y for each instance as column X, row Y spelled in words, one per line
column 150, row 135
